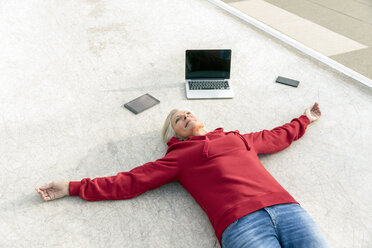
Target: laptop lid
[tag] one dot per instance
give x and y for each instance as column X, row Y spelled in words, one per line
column 208, row 64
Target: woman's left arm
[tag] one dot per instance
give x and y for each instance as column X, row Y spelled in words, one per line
column 279, row 138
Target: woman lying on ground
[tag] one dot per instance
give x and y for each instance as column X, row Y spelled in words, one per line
column 246, row 206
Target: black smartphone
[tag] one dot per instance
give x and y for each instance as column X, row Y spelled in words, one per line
column 287, row 81
column 141, row 103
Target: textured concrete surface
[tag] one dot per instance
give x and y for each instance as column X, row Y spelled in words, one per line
column 317, row 37
column 67, row 67
column 340, row 30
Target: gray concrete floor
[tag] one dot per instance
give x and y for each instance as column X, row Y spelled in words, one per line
column 68, row 67
column 351, row 19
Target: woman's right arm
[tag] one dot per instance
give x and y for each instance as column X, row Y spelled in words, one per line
column 124, row 185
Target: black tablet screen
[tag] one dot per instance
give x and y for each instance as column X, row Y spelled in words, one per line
column 141, row 103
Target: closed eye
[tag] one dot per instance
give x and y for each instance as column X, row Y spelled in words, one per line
column 179, row 118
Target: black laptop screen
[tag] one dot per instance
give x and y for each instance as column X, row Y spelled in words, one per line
column 204, row 64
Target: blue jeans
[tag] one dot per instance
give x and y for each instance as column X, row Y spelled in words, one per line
column 283, row 225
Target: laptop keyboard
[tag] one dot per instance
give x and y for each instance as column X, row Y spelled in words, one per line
column 209, row 85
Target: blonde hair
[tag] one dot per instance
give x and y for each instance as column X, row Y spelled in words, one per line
column 167, row 131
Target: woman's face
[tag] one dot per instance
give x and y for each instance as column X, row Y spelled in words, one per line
column 185, row 124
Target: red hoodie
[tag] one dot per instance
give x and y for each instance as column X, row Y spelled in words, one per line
column 221, row 170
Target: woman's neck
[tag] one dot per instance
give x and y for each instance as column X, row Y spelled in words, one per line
column 198, row 132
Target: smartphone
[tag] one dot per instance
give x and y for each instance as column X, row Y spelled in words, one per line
column 287, row 81
column 141, row 103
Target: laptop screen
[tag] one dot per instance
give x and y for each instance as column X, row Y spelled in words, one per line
column 208, row 64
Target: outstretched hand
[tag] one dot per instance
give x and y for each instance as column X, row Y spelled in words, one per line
column 53, row 190
column 313, row 113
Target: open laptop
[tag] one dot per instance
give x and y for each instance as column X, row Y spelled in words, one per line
column 208, row 74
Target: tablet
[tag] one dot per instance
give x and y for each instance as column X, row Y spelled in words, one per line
column 141, row 103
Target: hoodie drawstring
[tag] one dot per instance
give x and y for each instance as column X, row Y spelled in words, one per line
column 244, row 140
column 206, row 146
column 206, row 143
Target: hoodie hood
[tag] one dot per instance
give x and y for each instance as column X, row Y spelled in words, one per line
column 218, row 131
